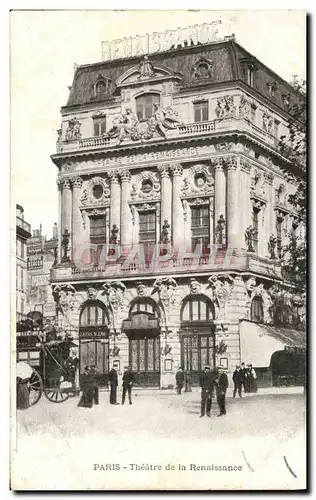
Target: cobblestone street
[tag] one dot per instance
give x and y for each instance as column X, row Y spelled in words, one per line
column 62, row 446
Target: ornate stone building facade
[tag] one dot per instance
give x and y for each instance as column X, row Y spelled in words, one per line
column 173, row 207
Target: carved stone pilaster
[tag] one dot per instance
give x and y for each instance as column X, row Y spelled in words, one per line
column 245, row 165
column 125, row 176
column 164, row 171
column 113, row 176
column 269, row 178
column 176, row 170
column 76, row 182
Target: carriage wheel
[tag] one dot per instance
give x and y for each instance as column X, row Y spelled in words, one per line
column 56, row 396
column 35, row 388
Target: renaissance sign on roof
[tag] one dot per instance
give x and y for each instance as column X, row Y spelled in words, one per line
column 159, row 42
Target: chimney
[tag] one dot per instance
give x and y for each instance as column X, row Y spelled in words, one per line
column 55, row 231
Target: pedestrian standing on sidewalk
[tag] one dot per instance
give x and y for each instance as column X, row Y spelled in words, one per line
column 179, row 380
column 221, row 388
column 243, row 371
column 237, row 379
column 207, row 383
column 252, row 376
column 128, row 380
column 90, row 389
column 113, row 379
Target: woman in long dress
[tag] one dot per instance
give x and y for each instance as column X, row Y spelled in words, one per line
column 90, row 393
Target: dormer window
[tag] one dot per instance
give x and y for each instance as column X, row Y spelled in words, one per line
column 250, row 75
column 102, row 87
column 272, row 89
column 145, row 106
column 202, row 69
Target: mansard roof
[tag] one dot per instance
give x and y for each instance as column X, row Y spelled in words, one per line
column 229, row 62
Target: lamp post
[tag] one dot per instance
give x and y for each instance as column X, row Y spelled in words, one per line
column 187, row 366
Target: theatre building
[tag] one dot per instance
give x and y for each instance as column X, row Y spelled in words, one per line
column 180, row 149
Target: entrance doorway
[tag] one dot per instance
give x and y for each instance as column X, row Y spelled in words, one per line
column 94, row 340
column 143, row 331
column 197, row 336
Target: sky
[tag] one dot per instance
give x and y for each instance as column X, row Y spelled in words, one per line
column 45, row 45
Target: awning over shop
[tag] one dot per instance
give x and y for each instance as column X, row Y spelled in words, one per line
column 259, row 342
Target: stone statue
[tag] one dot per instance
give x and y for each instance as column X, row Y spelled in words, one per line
column 271, row 246
column 123, row 125
column 225, row 106
column 195, row 286
column 244, row 108
column 73, row 130
column 146, row 68
column 165, row 119
column 250, row 233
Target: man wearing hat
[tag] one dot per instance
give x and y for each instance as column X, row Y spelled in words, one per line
column 221, row 388
column 207, row 383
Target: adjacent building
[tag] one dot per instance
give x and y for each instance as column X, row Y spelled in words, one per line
column 173, row 209
column 23, row 232
column 41, row 256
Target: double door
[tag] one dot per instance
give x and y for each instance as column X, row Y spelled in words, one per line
column 197, row 351
column 144, row 359
column 95, row 352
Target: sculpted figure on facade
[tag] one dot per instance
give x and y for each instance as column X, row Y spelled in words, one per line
column 91, row 293
column 73, row 130
column 114, row 292
column 225, row 106
column 123, row 126
column 146, row 68
column 221, row 288
column 165, row 119
column 166, row 288
column 195, row 286
column 65, row 297
column 141, row 289
column 244, row 108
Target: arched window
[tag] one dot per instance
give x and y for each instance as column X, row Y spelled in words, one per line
column 145, row 105
column 93, row 314
column 197, row 308
column 257, row 309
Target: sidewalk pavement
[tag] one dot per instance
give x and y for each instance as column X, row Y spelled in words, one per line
column 261, row 390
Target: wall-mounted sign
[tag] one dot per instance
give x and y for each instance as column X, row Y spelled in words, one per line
column 93, row 334
column 159, row 42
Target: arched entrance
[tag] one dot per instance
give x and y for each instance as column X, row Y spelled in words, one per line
column 94, row 339
column 197, row 335
column 143, row 331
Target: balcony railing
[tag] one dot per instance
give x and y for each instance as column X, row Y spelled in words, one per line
column 221, row 261
column 23, row 225
column 231, row 123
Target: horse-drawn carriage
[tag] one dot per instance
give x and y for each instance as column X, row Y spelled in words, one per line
column 55, row 375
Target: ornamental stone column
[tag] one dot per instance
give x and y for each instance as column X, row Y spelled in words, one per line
column 66, row 210
column 59, row 251
column 166, row 195
column 246, row 208
column 126, row 216
column 219, row 192
column 233, row 208
column 177, row 210
column 76, row 217
column 270, row 226
column 115, row 201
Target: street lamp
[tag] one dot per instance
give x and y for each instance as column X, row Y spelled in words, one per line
column 187, row 366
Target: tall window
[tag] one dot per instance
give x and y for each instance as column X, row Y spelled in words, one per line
column 279, row 235
column 255, row 225
column 147, row 227
column 145, row 105
column 99, row 125
column 201, row 111
column 257, row 310
column 200, row 228
column 22, row 279
column 97, row 229
column 250, row 75
column 93, row 314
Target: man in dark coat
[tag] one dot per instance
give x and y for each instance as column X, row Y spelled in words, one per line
column 243, row 371
column 221, row 388
column 180, row 380
column 128, row 380
column 207, row 383
column 237, row 379
column 113, row 379
column 90, row 389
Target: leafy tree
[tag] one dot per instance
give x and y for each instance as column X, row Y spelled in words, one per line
column 289, row 307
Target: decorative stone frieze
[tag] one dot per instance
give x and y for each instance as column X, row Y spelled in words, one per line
column 225, row 106
column 145, row 187
column 199, row 180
